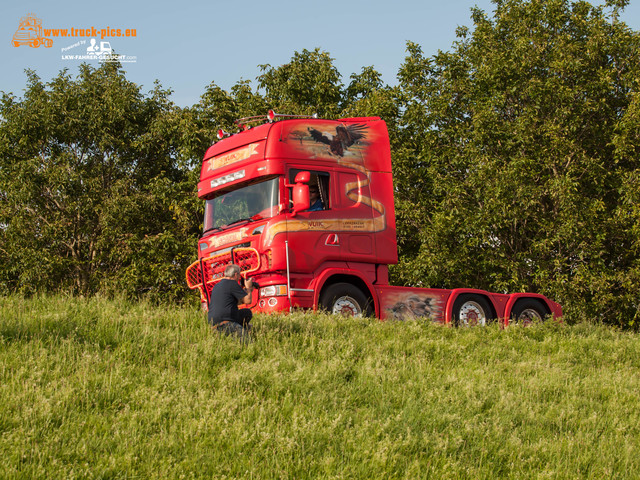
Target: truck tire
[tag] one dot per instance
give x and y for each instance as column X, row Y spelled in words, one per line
column 528, row 311
column 471, row 311
column 345, row 299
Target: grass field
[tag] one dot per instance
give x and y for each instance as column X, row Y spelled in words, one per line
column 92, row 388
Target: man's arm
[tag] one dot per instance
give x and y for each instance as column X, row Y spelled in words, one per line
column 249, row 289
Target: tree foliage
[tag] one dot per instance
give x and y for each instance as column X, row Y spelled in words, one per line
column 522, row 140
column 94, row 196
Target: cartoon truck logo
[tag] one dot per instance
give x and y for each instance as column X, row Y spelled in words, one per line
column 30, row 33
column 101, row 51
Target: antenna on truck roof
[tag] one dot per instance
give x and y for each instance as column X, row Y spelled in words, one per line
column 270, row 117
column 243, row 123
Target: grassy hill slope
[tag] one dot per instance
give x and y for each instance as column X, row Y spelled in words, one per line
column 92, row 388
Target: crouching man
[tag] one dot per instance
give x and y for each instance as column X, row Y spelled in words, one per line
column 227, row 294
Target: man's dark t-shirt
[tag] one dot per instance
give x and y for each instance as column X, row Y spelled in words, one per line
column 224, row 301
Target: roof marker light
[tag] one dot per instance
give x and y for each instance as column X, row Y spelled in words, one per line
column 271, row 115
column 222, row 134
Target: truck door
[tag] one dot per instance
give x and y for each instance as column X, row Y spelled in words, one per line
column 312, row 234
column 353, row 206
column 339, row 226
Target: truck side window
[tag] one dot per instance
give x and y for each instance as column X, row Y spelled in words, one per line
column 318, row 189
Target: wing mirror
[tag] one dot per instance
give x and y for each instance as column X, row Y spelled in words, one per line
column 300, row 192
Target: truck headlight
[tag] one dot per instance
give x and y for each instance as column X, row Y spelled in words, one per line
column 273, row 290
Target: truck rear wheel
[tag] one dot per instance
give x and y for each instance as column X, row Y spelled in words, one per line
column 528, row 311
column 471, row 311
column 345, row 299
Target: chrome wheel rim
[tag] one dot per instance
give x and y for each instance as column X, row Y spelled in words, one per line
column 529, row 316
column 472, row 315
column 347, row 306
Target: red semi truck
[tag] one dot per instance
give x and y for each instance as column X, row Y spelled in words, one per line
column 255, row 185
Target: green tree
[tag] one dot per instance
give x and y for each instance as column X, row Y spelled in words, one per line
column 96, row 193
column 308, row 84
column 521, row 146
column 367, row 96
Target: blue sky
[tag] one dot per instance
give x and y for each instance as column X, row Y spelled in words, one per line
column 187, row 45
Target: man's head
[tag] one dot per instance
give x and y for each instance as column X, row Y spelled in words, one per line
column 232, row 271
column 313, row 194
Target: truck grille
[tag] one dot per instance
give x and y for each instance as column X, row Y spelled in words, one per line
column 206, row 272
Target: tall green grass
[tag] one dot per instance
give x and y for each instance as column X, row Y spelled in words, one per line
column 92, row 388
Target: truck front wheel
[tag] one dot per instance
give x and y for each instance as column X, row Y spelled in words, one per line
column 345, row 299
column 471, row 311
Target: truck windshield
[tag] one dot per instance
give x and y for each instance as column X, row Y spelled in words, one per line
column 250, row 203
